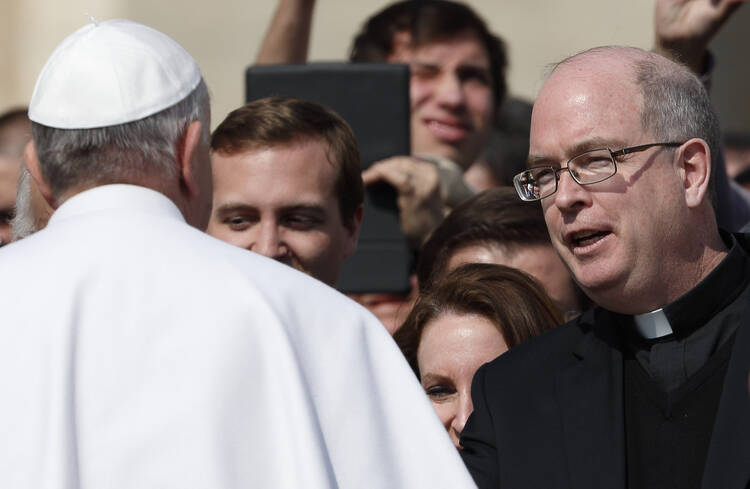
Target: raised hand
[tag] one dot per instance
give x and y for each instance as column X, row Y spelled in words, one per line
column 684, row 28
column 418, row 185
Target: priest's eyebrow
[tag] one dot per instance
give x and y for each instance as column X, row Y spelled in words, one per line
column 230, row 207
column 576, row 150
column 596, row 143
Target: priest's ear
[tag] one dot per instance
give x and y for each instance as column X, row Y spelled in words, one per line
column 31, row 161
column 694, row 165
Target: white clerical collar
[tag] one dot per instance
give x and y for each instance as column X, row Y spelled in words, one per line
column 653, row 324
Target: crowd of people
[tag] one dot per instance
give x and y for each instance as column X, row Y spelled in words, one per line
column 577, row 304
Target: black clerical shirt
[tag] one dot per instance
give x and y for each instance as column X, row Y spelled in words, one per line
column 702, row 320
column 672, row 384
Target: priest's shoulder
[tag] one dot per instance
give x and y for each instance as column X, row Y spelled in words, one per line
column 546, row 353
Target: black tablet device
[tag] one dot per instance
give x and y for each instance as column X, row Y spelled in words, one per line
column 374, row 99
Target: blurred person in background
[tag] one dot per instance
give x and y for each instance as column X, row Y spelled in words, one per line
column 467, row 318
column 683, row 30
column 736, row 147
column 457, row 83
column 496, row 226
column 736, row 150
column 506, row 150
column 15, row 132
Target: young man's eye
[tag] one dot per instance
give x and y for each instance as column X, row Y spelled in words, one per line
column 301, row 222
column 237, row 223
column 424, row 71
column 475, row 75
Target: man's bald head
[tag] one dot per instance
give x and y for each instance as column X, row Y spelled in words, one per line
column 675, row 105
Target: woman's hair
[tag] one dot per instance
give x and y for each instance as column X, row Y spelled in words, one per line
column 514, row 302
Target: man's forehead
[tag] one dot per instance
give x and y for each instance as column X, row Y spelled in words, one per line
column 602, row 73
column 406, row 48
column 605, row 59
column 310, row 146
column 578, row 110
column 304, row 165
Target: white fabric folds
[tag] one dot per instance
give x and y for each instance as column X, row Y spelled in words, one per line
column 138, row 352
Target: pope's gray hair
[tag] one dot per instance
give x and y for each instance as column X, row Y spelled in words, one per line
column 22, row 224
column 124, row 153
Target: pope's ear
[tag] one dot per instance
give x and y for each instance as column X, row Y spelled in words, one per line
column 695, row 167
column 187, row 155
column 31, row 161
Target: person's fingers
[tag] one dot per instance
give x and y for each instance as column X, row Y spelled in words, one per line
column 371, row 175
column 398, row 172
column 402, row 181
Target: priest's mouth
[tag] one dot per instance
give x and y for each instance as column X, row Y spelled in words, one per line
column 584, row 239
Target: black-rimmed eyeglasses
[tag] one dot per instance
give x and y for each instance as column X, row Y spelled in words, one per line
column 590, row 167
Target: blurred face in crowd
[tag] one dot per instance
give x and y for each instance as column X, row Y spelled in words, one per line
column 14, row 134
column 451, row 95
column 608, row 233
column 9, row 170
column 279, row 201
column 540, row 261
column 451, row 349
column 390, row 308
column 736, row 160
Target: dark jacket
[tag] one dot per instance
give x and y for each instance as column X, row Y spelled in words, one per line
column 549, row 413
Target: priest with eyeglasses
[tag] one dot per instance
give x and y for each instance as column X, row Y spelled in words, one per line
column 650, row 388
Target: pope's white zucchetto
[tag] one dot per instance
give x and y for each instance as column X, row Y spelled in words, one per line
column 110, row 73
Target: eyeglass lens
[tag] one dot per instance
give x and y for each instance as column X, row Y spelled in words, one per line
column 590, row 167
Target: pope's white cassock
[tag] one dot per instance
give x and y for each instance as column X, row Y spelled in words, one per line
column 138, row 352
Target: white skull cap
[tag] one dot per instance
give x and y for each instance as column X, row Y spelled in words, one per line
column 109, row 73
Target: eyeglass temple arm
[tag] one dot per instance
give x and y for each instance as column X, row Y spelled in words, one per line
column 635, row 149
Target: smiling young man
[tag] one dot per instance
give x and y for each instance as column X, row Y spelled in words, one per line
column 287, row 184
column 457, row 72
column 457, row 84
column 458, row 66
column 649, row 389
